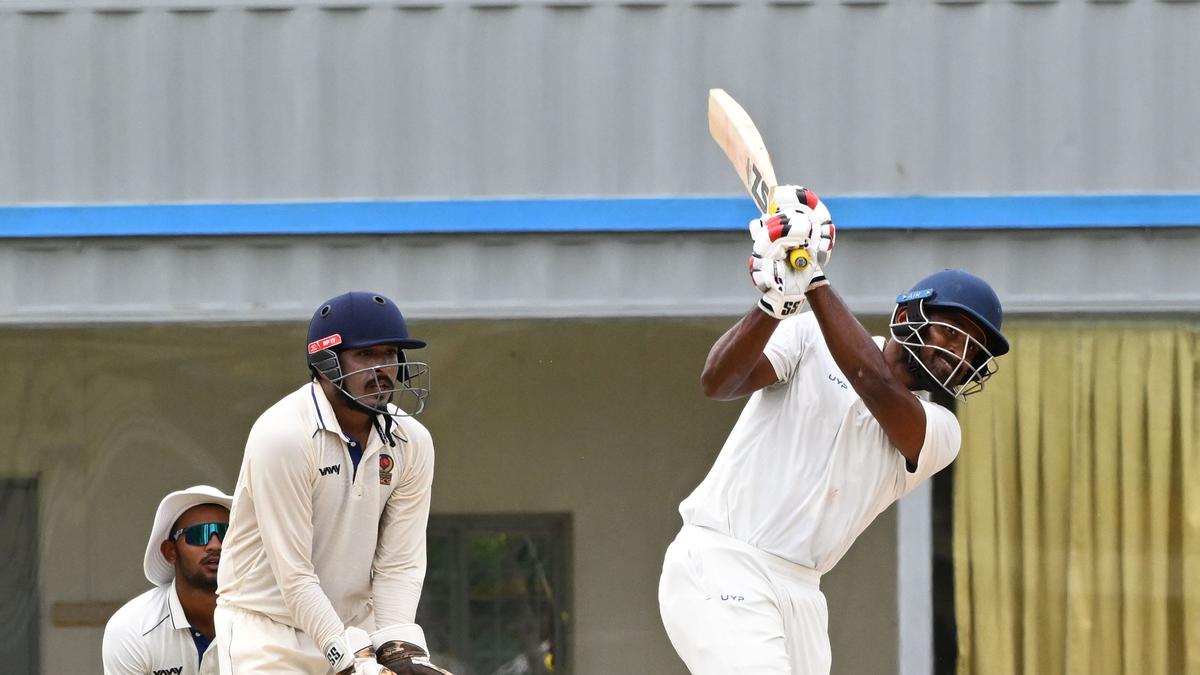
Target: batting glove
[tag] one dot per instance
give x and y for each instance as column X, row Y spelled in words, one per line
column 819, row 239
column 353, row 653
column 402, row 649
column 783, row 286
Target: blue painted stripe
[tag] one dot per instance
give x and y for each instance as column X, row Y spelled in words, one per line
column 590, row 215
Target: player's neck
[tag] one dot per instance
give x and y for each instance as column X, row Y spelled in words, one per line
column 352, row 420
column 198, row 604
column 354, row 423
column 897, row 361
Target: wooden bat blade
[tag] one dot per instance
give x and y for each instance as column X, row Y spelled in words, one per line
column 733, row 130
column 731, row 127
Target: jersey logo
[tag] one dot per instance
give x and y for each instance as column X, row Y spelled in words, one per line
column 385, row 469
column 177, row 670
column 838, row 380
column 326, row 470
column 734, row 598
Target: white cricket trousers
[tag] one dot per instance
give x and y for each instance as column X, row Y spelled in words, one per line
column 249, row 642
column 731, row 608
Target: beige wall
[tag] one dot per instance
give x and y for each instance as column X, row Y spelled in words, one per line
column 599, row 418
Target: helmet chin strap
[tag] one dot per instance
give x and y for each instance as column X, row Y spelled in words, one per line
column 924, row 380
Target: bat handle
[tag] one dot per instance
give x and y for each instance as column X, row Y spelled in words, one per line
column 798, row 258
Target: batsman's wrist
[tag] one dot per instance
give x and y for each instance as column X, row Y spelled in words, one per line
column 767, row 308
column 780, row 306
column 337, row 652
column 818, row 278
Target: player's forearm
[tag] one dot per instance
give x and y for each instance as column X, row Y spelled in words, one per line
column 851, row 346
column 313, row 612
column 398, row 570
column 735, row 354
column 396, row 599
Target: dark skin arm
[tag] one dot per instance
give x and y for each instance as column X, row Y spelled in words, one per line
column 736, row 365
column 882, row 383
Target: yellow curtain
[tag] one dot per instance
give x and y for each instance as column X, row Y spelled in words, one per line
column 1077, row 504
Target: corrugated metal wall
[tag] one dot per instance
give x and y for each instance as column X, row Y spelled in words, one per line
column 505, row 276
column 200, row 100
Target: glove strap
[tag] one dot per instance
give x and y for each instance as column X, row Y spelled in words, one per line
column 817, row 282
column 337, row 652
column 780, row 308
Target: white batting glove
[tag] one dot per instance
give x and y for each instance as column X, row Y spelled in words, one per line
column 354, row 653
column 820, row 238
column 783, row 286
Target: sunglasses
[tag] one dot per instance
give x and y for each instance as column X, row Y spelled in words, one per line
column 199, row 535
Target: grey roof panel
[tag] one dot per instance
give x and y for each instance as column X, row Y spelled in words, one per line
column 184, row 100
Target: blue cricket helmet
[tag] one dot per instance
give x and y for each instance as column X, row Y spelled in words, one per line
column 358, row 319
column 967, row 293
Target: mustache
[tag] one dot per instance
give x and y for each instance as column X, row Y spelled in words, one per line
column 378, row 380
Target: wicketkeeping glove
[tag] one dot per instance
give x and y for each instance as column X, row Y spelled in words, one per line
column 402, row 649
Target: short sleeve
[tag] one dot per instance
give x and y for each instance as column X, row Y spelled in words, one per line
column 790, row 342
column 123, row 652
column 942, row 440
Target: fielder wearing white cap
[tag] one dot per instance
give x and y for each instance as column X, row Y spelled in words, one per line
column 169, row 629
column 831, row 435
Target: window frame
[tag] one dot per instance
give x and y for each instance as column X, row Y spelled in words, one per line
column 555, row 526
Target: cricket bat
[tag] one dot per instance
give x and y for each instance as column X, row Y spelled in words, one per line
column 733, row 130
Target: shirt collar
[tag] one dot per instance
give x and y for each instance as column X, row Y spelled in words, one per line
column 178, row 618
column 326, row 420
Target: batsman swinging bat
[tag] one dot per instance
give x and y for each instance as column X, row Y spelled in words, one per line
column 735, row 132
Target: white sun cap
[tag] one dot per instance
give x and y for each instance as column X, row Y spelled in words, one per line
column 158, row 570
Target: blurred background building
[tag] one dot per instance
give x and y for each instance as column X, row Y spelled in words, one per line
column 183, row 181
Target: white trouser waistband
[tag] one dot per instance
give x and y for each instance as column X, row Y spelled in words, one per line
column 784, row 568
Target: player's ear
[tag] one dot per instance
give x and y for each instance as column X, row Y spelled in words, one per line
column 167, row 548
column 902, row 314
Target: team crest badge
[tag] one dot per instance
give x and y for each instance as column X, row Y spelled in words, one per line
column 385, row 469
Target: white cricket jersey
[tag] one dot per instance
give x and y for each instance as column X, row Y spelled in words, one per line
column 807, row 467
column 150, row 635
column 313, row 545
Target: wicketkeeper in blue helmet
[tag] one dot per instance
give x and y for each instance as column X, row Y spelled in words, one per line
column 343, row 330
column 832, row 432
column 324, row 559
